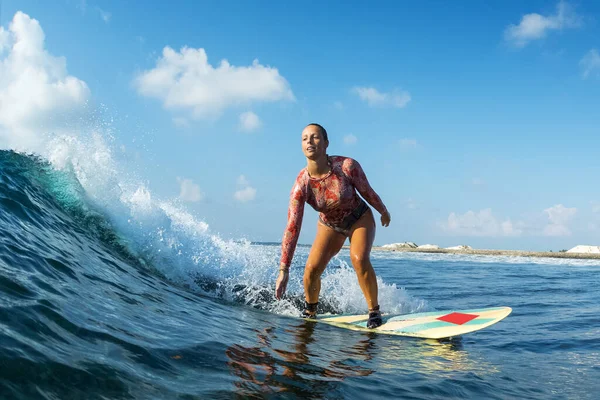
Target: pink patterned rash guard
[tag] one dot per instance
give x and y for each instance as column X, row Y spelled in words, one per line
column 333, row 196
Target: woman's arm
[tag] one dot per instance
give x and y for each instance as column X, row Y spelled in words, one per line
column 359, row 179
column 294, row 224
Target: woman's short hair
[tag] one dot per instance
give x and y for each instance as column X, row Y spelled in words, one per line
column 323, row 130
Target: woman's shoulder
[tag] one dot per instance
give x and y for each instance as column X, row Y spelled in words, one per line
column 343, row 162
column 301, row 178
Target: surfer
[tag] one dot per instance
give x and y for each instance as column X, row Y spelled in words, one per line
column 330, row 184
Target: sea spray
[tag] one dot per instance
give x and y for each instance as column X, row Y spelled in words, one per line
column 83, row 174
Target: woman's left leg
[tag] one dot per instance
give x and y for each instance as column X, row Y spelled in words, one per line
column 362, row 236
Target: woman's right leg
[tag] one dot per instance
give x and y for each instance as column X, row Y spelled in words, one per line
column 327, row 244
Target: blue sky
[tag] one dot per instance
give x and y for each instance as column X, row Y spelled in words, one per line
column 477, row 124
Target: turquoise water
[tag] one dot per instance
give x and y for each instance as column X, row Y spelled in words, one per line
column 102, row 298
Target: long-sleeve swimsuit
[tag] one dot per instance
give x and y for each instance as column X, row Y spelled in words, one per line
column 334, row 196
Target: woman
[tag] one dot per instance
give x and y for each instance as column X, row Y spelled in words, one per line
column 329, row 185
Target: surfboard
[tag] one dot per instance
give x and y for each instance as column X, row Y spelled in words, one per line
column 428, row 325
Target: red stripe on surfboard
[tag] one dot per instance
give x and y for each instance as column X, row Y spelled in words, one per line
column 457, row 318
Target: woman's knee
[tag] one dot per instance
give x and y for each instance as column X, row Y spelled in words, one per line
column 313, row 270
column 360, row 261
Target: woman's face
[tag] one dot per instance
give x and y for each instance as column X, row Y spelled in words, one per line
column 313, row 143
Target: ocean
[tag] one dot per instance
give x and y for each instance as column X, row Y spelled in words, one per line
column 109, row 293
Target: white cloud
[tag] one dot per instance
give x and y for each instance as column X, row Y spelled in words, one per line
column 535, row 26
column 508, row 229
column 105, row 15
column 249, row 122
column 37, row 95
column 245, row 192
column 559, row 216
column 189, row 191
column 590, row 63
column 407, row 143
column 185, row 80
column 374, row 98
column 482, row 223
column 595, row 206
column 350, row 139
column 242, row 181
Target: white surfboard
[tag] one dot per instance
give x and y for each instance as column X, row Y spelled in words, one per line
column 429, row 325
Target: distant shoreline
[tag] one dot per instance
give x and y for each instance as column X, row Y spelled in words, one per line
column 480, row 252
column 513, row 253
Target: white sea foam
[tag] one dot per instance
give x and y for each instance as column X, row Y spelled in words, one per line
column 181, row 245
column 479, row 258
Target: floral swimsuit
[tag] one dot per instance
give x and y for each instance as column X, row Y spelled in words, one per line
column 333, row 196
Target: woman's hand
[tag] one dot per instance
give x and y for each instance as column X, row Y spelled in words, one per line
column 386, row 218
column 281, row 284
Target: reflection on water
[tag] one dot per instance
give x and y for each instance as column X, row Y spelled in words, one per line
column 313, row 365
column 304, row 367
column 431, row 356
